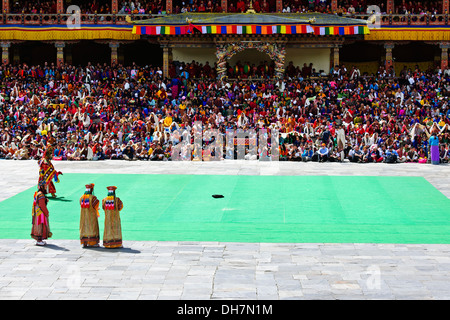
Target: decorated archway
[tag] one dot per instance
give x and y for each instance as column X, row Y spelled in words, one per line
column 276, row 52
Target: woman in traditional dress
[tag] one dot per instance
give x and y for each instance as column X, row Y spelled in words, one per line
column 40, row 230
column 112, row 236
column 89, row 230
column 434, row 148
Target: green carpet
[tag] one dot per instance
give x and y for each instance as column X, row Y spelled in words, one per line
column 306, row 209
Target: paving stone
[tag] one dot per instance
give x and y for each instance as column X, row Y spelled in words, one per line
column 172, row 270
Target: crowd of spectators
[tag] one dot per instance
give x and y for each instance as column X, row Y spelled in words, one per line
column 419, row 7
column 99, row 111
column 92, row 7
column 95, row 6
column 260, row 6
column 39, row 6
column 352, row 7
column 142, row 7
column 45, row 6
column 203, row 6
column 344, row 7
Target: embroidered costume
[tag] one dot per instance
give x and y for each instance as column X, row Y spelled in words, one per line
column 112, row 237
column 47, row 173
column 89, row 230
column 40, row 218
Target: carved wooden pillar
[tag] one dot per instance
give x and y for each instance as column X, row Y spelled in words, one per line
column 60, row 6
column 336, row 55
column 224, row 4
column 445, row 6
column 59, row 52
column 5, row 52
column 5, row 6
column 114, row 55
column 167, row 57
column 444, row 55
column 389, row 60
column 114, row 6
column 334, row 5
column 169, row 6
column 279, row 5
column 390, row 7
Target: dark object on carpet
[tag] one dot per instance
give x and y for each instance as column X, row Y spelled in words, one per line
column 217, row 196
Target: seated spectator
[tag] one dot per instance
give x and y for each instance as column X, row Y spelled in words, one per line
column 356, row 155
column 307, row 154
column 323, row 153
column 444, row 154
column 128, row 152
column 157, row 154
column 336, row 155
column 391, row 155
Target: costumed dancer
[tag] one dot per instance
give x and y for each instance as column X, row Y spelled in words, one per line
column 112, row 237
column 434, row 148
column 40, row 230
column 89, row 230
column 47, row 172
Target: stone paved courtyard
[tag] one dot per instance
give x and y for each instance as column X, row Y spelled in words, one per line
column 216, row 270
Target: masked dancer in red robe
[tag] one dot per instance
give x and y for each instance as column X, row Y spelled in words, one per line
column 47, row 172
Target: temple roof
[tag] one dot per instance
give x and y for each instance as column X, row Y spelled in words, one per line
column 251, row 23
column 319, row 19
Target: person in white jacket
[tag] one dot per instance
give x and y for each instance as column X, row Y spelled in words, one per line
column 340, row 138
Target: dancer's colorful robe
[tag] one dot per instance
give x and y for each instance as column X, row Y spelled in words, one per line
column 112, row 236
column 47, row 173
column 89, row 229
column 40, row 218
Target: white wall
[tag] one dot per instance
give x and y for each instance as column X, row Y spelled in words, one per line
column 319, row 57
column 200, row 55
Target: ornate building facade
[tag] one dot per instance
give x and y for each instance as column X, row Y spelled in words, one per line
column 389, row 39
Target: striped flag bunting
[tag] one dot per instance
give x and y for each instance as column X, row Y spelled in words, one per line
column 251, row 29
column 336, row 30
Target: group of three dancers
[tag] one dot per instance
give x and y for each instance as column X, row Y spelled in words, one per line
column 89, row 227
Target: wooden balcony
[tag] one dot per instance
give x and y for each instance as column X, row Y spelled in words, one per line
column 408, row 19
column 108, row 19
column 55, row 19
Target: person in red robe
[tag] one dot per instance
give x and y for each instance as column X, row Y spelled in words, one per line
column 40, row 230
column 47, row 171
column 240, row 7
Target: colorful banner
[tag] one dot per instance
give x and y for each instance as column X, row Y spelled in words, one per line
column 341, row 31
column 228, row 29
column 250, row 29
